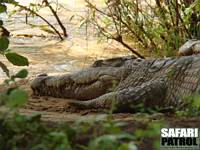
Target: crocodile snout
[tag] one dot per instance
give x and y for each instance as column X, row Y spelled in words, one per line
column 38, row 83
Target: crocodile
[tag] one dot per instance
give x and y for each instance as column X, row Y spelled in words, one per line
column 126, row 85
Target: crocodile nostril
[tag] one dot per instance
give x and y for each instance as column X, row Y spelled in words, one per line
column 43, row 74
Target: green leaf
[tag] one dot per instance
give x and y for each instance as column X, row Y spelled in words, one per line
column 4, row 68
column 129, row 146
column 17, row 59
column 3, row 8
column 1, row 23
column 17, row 98
column 34, row 118
column 21, row 74
column 3, row 98
column 46, row 29
column 4, row 43
column 109, row 139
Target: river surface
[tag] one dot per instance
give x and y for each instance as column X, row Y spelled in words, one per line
column 45, row 52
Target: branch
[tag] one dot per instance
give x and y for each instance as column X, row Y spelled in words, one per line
column 106, row 33
column 120, row 40
column 35, row 13
column 57, row 18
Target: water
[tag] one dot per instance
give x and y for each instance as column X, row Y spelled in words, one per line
column 46, row 53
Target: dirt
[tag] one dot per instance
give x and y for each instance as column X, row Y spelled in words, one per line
column 54, row 110
column 57, row 109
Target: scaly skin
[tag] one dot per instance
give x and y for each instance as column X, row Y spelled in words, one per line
column 152, row 83
column 80, row 85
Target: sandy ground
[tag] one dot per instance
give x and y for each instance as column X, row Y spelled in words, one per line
column 55, row 110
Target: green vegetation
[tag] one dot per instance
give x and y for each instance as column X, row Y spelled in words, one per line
column 193, row 107
column 159, row 26
column 29, row 132
column 12, row 97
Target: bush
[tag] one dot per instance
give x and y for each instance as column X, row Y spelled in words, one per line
column 160, row 26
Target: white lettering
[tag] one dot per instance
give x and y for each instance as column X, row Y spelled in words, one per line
column 196, row 132
column 164, row 132
column 183, row 133
column 179, row 132
column 171, row 132
column 190, row 132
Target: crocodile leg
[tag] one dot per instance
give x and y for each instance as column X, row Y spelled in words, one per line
column 149, row 94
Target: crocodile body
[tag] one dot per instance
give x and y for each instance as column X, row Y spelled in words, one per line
column 128, row 85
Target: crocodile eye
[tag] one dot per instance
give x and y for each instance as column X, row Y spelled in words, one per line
column 97, row 63
column 137, row 61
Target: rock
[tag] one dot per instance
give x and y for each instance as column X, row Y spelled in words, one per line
column 191, row 47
